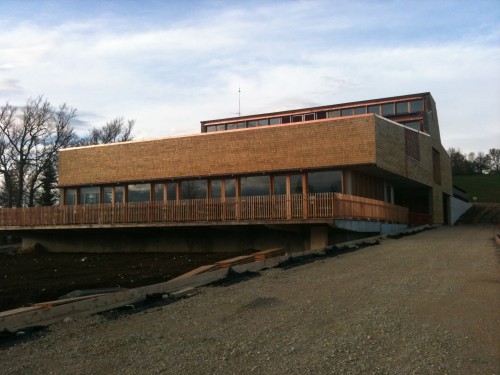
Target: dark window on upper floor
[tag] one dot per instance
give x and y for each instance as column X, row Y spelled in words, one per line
column 263, row 122
column 333, row 114
column 251, row 124
column 297, row 118
column 401, row 107
column 374, row 109
column 346, row 112
column 211, row 128
column 417, row 105
column 309, row 117
column 275, row 121
column 387, row 109
column 231, row 126
column 359, row 110
column 221, row 127
column 194, row 189
column 279, row 185
column 321, row 115
column 139, row 192
column 285, row 120
column 241, row 125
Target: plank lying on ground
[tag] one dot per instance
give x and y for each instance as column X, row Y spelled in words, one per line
column 270, row 253
column 46, row 316
column 234, row 261
column 196, row 271
column 67, row 300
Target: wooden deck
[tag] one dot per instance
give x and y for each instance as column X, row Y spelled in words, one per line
column 243, row 210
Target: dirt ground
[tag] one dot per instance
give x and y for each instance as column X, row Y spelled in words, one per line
column 40, row 277
column 422, row 304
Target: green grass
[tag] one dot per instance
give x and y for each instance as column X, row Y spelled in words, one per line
column 485, row 187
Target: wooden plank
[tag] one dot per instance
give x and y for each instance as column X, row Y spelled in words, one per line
column 49, row 315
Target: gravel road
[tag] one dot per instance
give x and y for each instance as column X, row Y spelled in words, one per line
column 423, row 304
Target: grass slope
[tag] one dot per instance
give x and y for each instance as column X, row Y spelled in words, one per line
column 485, row 187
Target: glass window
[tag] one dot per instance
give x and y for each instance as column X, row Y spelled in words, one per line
column 230, row 188
column 263, row 122
column 159, row 192
column 172, row 191
column 320, row 115
column 221, row 127
column 231, row 126
column 275, row 121
column 255, row 185
column 324, row 182
column 211, row 128
column 107, row 195
column 70, row 197
column 139, row 192
column 374, row 109
column 119, row 194
column 309, row 117
column 359, row 110
column 241, row 125
column 89, row 195
column 285, row 119
column 251, row 124
column 417, row 105
column 296, row 184
column 413, row 124
column 387, row 109
column 297, row 118
column 402, row 107
column 333, row 114
column 346, row 112
column 279, row 185
column 194, row 189
column 216, row 188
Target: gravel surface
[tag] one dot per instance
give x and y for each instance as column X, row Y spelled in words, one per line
column 423, row 304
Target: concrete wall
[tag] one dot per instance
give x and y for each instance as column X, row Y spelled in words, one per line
column 457, row 209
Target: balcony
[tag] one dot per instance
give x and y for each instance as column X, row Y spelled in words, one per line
column 313, row 208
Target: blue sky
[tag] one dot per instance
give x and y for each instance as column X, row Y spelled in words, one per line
column 171, row 64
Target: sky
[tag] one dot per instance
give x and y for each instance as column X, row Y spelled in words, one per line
column 171, row 64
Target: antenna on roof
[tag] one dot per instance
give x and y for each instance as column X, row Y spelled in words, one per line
column 239, row 101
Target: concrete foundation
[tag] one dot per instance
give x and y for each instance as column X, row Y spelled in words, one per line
column 187, row 240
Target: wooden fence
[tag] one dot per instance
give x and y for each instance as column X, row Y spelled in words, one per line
column 243, row 209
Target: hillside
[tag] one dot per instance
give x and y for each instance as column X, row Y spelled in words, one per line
column 485, row 187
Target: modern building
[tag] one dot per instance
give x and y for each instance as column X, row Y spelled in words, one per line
column 366, row 166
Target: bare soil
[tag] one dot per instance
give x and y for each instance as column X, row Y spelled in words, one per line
column 39, row 277
column 422, row 304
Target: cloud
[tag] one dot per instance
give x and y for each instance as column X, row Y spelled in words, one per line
column 170, row 72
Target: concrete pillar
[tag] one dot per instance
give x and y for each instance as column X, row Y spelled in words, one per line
column 319, row 237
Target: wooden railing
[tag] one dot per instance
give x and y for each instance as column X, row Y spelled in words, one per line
column 243, row 209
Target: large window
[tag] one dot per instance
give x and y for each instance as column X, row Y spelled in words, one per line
column 194, row 189
column 255, row 185
column 159, row 192
column 279, row 185
column 402, row 107
column 374, row 109
column 119, row 194
column 70, row 197
column 230, row 188
column 324, row 182
column 107, row 195
column 216, row 189
column 89, row 195
column 296, row 184
column 172, row 191
column 139, row 192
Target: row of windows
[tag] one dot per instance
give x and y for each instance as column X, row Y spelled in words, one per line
column 386, row 109
column 317, row 182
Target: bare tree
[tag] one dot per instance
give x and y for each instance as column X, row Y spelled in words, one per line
column 31, row 136
column 116, row 130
